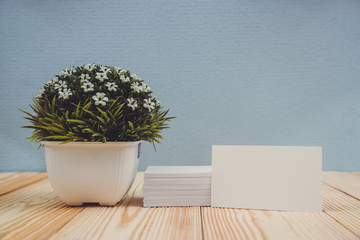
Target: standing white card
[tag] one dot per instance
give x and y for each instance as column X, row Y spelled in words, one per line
column 267, row 177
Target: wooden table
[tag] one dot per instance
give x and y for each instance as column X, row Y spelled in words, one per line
column 29, row 209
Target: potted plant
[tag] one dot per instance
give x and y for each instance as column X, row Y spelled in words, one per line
column 91, row 120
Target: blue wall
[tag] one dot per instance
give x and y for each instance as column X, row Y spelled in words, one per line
column 253, row 72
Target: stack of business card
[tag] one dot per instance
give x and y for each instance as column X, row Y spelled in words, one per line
column 177, row 186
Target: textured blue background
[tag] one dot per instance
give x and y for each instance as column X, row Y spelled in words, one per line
column 253, row 72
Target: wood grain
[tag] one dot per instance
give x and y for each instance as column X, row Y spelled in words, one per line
column 348, row 183
column 33, row 212
column 12, row 181
column 343, row 208
column 129, row 220
column 340, row 220
column 221, row 223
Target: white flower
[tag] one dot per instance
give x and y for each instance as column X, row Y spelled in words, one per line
column 84, row 77
column 149, row 104
column 111, row 86
column 136, row 87
column 145, row 88
column 67, row 72
column 101, row 76
column 119, row 71
column 135, row 77
column 87, row 86
column 157, row 102
column 41, row 92
column 132, row 103
column 60, row 85
column 104, row 69
column 65, row 94
column 100, row 98
column 89, row 67
column 124, row 79
column 53, row 81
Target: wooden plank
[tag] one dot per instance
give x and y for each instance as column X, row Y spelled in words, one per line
column 343, row 208
column 339, row 221
column 346, row 182
column 33, row 212
column 221, row 223
column 129, row 220
column 12, row 181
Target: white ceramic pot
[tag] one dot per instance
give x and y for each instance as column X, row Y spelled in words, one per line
column 82, row 172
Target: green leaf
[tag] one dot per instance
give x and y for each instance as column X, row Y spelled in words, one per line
column 56, row 137
column 77, row 112
column 113, row 103
column 104, row 115
column 88, row 130
column 101, row 120
column 30, row 115
column 97, row 135
column 53, row 104
column 76, row 121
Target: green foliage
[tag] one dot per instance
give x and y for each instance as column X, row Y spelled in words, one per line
column 93, row 103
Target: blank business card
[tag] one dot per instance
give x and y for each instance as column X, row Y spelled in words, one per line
column 267, row 177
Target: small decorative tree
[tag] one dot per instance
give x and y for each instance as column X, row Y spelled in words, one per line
column 95, row 103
